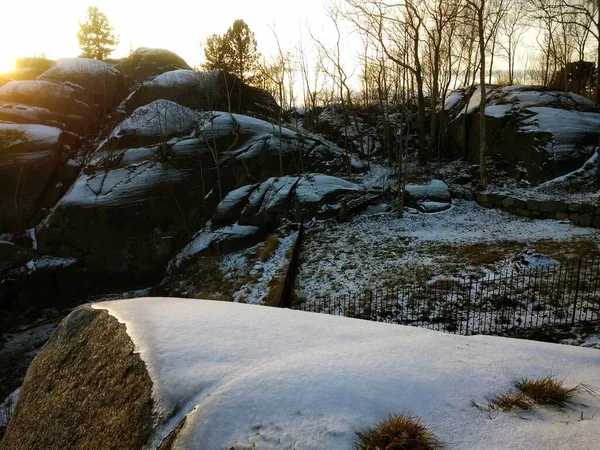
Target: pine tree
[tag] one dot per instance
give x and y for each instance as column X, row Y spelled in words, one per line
column 234, row 52
column 95, row 35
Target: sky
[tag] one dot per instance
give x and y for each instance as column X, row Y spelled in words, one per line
column 50, row 27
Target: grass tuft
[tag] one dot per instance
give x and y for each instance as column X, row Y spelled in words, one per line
column 270, row 246
column 547, row 391
column 510, row 401
column 398, row 432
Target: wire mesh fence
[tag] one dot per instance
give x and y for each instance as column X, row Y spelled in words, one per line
column 566, row 294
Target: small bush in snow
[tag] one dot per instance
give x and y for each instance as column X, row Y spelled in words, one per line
column 399, row 432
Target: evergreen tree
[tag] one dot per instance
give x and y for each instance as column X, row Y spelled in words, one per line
column 95, row 35
column 234, row 52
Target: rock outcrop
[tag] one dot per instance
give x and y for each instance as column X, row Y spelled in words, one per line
column 86, row 388
column 146, row 63
column 246, row 214
column 430, row 198
column 215, row 90
column 538, row 134
column 30, row 156
column 134, row 207
column 103, row 85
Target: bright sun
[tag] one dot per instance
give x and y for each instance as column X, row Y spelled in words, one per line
column 7, row 64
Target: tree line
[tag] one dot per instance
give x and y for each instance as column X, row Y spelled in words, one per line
column 414, row 52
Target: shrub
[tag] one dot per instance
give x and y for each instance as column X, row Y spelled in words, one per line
column 398, row 432
column 270, row 246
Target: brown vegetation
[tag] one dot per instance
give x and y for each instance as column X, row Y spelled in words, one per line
column 398, row 432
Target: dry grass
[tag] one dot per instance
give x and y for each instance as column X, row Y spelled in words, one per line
column 398, row 432
column 458, row 257
column 568, row 251
column 510, row 401
column 270, row 246
column 275, row 290
column 546, row 391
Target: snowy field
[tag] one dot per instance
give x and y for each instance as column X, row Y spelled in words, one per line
column 383, row 250
column 255, row 377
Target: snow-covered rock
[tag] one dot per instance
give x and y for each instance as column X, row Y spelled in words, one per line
column 154, row 123
column 29, row 154
column 214, row 90
column 134, row 207
column 103, row 85
column 430, row 198
column 220, row 367
column 59, row 97
column 541, row 134
column 145, row 63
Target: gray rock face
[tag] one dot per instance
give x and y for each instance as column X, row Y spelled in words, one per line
column 29, row 155
column 85, row 389
column 548, row 133
column 57, row 97
column 147, row 63
column 133, row 208
column 432, row 197
column 245, row 215
column 213, row 90
column 103, row 85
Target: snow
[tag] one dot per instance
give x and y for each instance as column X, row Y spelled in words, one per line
column 175, row 77
column 159, row 118
column 255, row 292
column 50, row 262
column 453, row 99
column 498, row 111
column 368, row 252
column 234, row 199
column 204, row 239
column 318, row 188
column 250, row 376
column 79, row 65
column 36, row 134
column 528, row 98
column 7, row 407
column 567, row 127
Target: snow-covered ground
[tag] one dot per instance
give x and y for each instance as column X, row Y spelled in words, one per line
column 237, row 265
column 255, row 377
column 369, row 252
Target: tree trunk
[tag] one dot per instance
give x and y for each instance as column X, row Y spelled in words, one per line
column 482, row 136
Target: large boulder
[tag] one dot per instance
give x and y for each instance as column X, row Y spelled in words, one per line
column 29, row 157
column 88, row 386
column 539, row 133
column 152, row 124
column 62, row 98
column 214, row 90
column 20, row 113
column 103, row 85
column 132, row 208
column 146, row 63
column 430, row 198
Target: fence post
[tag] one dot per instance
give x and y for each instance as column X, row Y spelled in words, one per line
column 469, row 305
column 576, row 292
column 285, row 300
